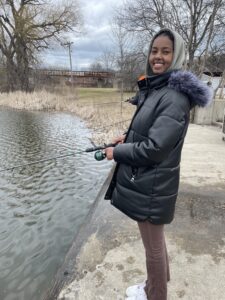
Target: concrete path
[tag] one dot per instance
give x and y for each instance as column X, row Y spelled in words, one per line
column 111, row 255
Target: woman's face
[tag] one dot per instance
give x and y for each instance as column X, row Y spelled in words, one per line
column 161, row 54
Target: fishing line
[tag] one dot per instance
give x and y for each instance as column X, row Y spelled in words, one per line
column 96, row 104
column 99, row 128
column 99, row 155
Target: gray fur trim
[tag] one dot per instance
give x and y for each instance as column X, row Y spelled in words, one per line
column 188, row 83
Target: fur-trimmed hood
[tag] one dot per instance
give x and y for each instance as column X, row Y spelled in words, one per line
column 182, row 81
column 189, row 84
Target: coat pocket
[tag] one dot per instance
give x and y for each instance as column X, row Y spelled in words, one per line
column 166, row 181
column 139, row 179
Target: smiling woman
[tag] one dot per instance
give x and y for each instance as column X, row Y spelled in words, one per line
column 145, row 182
column 161, row 55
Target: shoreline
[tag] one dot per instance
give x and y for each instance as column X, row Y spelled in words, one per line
column 65, row 274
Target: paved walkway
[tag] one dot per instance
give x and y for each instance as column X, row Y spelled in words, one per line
column 111, row 255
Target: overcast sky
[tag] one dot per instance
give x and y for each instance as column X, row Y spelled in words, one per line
column 87, row 48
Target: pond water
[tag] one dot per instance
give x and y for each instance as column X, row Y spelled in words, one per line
column 42, row 205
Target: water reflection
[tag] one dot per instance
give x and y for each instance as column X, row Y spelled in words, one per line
column 42, row 205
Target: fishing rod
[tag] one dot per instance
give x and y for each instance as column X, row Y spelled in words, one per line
column 99, row 155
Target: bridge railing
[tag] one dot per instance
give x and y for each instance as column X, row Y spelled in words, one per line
column 66, row 73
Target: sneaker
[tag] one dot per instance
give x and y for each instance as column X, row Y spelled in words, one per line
column 136, row 289
column 139, row 296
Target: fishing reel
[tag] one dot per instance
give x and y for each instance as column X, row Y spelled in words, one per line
column 99, row 151
column 99, row 155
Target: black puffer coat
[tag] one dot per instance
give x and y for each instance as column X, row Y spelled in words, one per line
column 146, row 178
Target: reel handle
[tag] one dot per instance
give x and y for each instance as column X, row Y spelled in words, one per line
column 102, row 147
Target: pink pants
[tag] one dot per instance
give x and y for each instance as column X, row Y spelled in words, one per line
column 157, row 264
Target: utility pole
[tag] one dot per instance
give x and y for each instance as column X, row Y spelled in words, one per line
column 5, row 18
column 71, row 67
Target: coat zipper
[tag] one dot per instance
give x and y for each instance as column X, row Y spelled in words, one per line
column 134, row 174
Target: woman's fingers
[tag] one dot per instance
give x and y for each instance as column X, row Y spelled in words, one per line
column 109, row 153
column 119, row 139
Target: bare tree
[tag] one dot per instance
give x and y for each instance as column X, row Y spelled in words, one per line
column 200, row 22
column 121, row 40
column 134, row 66
column 27, row 27
column 108, row 59
column 96, row 66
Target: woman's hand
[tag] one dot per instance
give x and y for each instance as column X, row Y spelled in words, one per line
column 109, row 153
column 119, row 139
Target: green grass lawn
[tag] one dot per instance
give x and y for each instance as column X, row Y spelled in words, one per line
column 100, row 95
